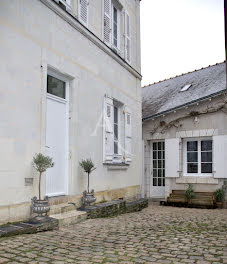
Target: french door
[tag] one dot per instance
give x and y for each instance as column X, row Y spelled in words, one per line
column 158, row 169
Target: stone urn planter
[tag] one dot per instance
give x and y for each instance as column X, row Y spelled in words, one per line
column 88, row 198
column 41, row 163
column 40, row 207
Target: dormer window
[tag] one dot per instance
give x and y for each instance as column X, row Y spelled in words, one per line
column 185, row 88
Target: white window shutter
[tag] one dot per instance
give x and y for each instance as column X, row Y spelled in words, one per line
column 108, row 148
column 128, row 135
column 172, row 157
column 127, row 38
column 83, row 11
column 107, row 22
column 220, row 156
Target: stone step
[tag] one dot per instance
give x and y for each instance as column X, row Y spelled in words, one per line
column 70, row 217
column 182, row 192
column 61, row 208
column 58, row 200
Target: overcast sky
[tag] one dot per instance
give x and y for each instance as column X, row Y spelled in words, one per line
column 178, row 36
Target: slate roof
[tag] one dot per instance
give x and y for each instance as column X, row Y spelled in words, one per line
column 164, row 96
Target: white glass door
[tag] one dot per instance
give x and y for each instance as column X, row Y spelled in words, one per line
column 158, row 169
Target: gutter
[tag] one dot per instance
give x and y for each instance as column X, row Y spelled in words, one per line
column 186, row 104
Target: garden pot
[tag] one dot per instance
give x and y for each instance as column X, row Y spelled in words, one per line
column 219, row 204
column 40, row 207
column 88, row 198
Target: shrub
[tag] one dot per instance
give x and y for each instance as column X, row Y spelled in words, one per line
column 88, row 167
column 189, row 193
column 219, row 195
column 41, row 163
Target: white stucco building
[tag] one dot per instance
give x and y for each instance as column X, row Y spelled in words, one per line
column 70, row 87
column 185, row 132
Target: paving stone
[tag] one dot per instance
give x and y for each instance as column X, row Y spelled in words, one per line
column 154, row 235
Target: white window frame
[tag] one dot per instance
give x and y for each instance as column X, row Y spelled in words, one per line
column 199, row 174
column 117, row 157
column 66, row 3
column 113, row 5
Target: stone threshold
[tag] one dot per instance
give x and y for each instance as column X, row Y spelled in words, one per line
column 31, row 226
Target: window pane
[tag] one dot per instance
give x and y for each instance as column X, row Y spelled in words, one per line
column 115, row 131
column 55, row 86
column 159, row 145
column 163, row 154
column 192, row 146
column 206, row 156
column 159, row 154
column 163, row 173
column 115, row 148
column 163, row 181
column 206, row 167
column 115, row 115
column 154, row 173
column 154, row 181
column 206, row 145
column 192, row 156
column 159, row 173
column 154, row 146
column 159, row 163
column 154, row 164
column 163, row 164
column 154, row 154
column 192, row 168
column 159, row 182
column 163, row 145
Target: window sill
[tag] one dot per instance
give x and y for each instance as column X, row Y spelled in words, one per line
column 117, row 166
column 197, row 179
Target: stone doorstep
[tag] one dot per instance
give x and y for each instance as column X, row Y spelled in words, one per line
column 61, row 208
column 70, row 217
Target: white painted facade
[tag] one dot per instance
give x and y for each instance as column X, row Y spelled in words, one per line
column 39, row 38
column 202, row 127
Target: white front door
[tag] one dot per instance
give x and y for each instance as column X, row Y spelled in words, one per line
column 158, row 169
column 57, row 136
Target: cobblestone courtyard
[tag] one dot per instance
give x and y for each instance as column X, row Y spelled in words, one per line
column 154, row 235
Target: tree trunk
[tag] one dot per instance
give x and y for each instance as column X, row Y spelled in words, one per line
column 39, row 185
column 88, row 182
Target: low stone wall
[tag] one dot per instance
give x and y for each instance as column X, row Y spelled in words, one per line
column 114, row 208
column 137, row 205
column 31, row 226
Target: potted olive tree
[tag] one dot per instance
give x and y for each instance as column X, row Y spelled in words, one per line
column 88, row 196
column 189, row 193
column 219, row 197
column 41, row 163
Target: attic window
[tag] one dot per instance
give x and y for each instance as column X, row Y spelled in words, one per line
column 185, row 88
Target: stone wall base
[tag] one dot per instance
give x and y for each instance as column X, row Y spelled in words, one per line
column 19, row 212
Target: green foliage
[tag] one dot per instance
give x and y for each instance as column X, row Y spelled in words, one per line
column 87, row 165
column 189, row 193
column 41, row 163
column 219, row 195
